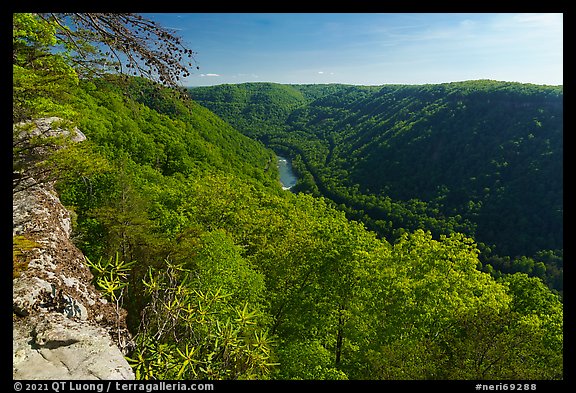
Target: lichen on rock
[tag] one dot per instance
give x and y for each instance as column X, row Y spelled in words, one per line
column 61, row 328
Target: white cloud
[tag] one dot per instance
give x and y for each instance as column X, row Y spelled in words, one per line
column 203, row 75
column 541, row 20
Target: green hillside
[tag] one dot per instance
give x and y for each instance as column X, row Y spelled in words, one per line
column 480, row 157
column 260, row 108
column 249, row 281
column 221, row 274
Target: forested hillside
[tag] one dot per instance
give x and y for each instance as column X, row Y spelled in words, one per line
column 479, row 157
column 224, row 275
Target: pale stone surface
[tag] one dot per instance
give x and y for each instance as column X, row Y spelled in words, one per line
column 53, row 346
column 62, row 327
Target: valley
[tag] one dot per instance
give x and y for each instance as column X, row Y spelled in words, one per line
column 474, row 157
column 268, row 231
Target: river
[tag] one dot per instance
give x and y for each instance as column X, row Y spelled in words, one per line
column 287, row 177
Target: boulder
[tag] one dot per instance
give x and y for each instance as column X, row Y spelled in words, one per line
column 50, row 345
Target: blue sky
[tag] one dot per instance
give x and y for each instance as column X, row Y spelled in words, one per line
column 370, row 48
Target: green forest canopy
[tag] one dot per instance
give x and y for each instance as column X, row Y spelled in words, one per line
column 479, row 157
column 230, row 277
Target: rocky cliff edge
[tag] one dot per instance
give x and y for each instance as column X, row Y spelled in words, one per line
column 62, row 327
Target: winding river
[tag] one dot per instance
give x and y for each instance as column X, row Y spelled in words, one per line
column 287, row 177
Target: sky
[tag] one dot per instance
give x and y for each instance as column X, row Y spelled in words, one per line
column 370, row 48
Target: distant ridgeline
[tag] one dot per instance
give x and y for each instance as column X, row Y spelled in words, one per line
column 224, row 275
column 216, row 272
column 479, row 157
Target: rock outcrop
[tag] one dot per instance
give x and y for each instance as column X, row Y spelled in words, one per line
column 62, row 327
